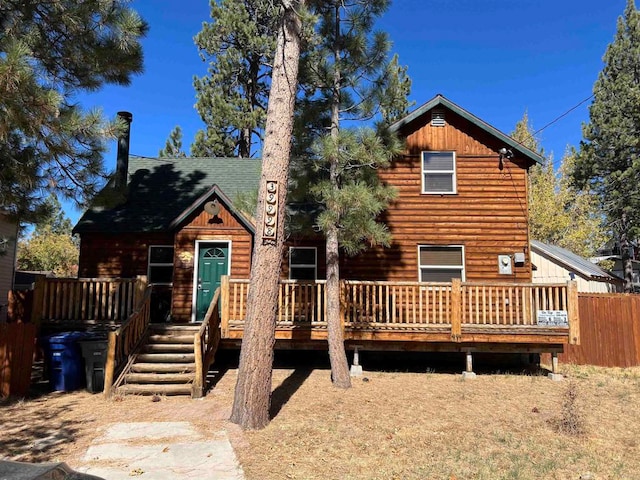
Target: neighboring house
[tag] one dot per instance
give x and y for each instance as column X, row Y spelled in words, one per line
column 611, row 251
column 26, row 280
column 8, row 246
column 461, row 212
column 557, row 265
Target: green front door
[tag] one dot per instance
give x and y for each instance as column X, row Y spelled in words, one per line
column 213, row 262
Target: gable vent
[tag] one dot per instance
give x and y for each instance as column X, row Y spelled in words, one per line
column 437, row 118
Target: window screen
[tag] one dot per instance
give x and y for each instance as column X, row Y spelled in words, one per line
column 440, row 264
column 438, row 172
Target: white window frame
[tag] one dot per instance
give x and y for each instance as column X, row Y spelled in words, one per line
column 149, row 264
column 305, row 265
column 462, row 267
column 424, row 173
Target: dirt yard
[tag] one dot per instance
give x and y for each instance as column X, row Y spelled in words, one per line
column 408, row 421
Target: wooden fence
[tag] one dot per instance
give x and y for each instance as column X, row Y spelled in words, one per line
column 20, row 306
column 610, row 331
column 16, row 355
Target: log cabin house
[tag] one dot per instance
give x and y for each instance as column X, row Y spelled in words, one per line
column 457, row 276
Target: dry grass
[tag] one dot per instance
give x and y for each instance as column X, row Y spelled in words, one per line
column 403, row 425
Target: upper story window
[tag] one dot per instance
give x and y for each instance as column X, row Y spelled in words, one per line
column 160, row 264
column 439, row 172
column 440, row 263
column 302, row 263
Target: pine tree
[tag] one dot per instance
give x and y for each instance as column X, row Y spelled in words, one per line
column 559, row 213
column 173, row 146
column 239, row 44
column 609, row 160
column 348, row 76
column 49, row 52
column 253, row 388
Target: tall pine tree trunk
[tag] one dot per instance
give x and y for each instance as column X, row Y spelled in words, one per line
column 625, row 247
column 253, row 387
column 337, row 355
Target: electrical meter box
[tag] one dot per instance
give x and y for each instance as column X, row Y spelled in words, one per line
column 504, row 265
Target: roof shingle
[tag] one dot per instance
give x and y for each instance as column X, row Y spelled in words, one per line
column 160, row 189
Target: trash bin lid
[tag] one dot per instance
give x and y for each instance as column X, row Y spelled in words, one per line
column 67, row 337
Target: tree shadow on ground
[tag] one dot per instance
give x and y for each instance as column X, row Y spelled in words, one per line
column 34, row 432
column 283, row 393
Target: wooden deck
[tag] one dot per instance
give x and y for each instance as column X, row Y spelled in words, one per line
column 406, row 316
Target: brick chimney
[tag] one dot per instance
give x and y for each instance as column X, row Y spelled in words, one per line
column 122, row 164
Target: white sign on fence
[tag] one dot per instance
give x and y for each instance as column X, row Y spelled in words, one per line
column 553, row 318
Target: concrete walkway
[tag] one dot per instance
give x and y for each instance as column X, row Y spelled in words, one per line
column 159, row 451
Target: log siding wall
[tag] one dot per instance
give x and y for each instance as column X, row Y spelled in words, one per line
column 488, row 214
column 104, row 255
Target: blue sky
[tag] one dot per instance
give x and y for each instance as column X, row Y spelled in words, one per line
column 495, row 58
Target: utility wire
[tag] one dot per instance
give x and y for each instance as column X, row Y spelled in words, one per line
column 564, row 114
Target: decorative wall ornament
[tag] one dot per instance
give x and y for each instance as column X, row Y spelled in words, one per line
column 186, row 258
column 270, row 226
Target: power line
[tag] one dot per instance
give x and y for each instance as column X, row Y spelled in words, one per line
column 564, row 114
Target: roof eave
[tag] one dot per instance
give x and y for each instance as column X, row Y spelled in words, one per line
column 214, row 190
column 441, row 100
column 567, row 265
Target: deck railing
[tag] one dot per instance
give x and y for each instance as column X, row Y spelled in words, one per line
column 299, row 302
column 412, row 305
column 123, row 342
column 99, row 300
column 205, row 343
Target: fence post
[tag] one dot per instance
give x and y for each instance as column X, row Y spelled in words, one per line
column 38, row 300
column 224, row 300
column 573, row 312
column 456, row 309
column 110, row 365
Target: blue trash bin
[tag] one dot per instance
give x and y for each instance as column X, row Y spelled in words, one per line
column 66, row 366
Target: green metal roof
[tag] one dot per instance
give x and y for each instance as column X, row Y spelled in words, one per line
column 160, row 190
column 440, row 100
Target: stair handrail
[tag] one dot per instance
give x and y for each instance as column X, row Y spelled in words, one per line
column 205, row 344
column 123, row 342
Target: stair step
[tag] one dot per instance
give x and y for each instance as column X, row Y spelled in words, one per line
column 163, row 367
column 163, row 378
column 168, row 348
column 166, row 358
column 155, row 389
column 185, row 329
column 171, row 338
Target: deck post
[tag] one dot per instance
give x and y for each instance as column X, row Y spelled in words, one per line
column 224, row 301
column 38, row 300
column 343, row 304
column 554, row 375
column 573, row 312
column 141, row 287
column 198, row 383
column 456, row 309
column 356, row 368
column 468, row 374
column 110, row 364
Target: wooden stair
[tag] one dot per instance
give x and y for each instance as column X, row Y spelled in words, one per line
column 164, row 364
